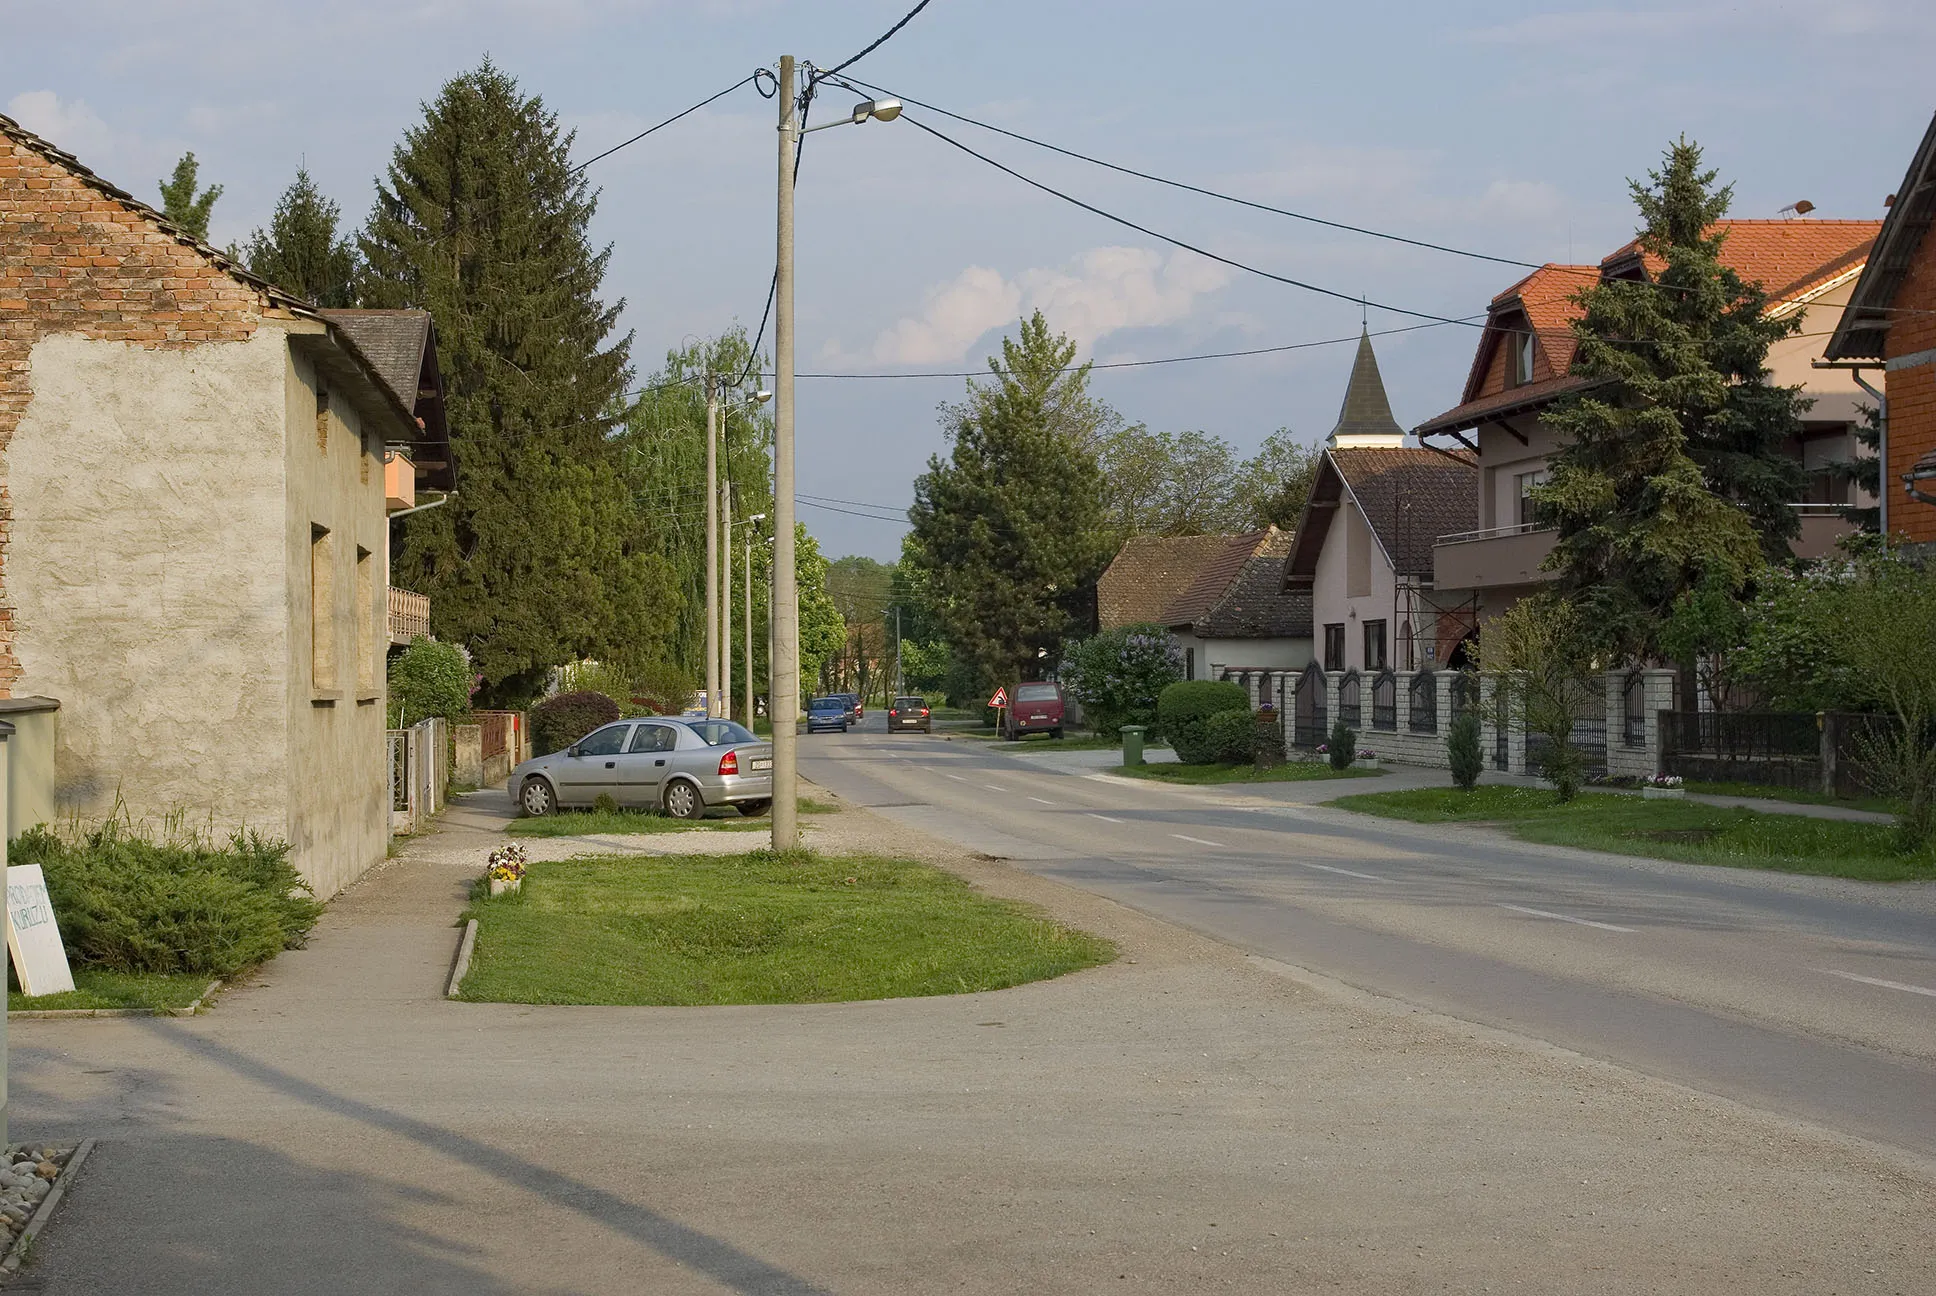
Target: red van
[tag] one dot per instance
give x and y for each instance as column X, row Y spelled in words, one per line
column 1033, row 708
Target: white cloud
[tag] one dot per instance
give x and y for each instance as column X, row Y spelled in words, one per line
column 1107, row 289
column 72, row 125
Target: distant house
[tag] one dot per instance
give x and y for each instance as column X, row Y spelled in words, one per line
column 1148, row 573
column 196, row 560
column 1363, row 548
column 1523, row 365
column 1890, row 325
column 1237, row 617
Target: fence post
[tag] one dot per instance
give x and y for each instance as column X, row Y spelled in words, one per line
column 1333, row 682
column 1829, row 727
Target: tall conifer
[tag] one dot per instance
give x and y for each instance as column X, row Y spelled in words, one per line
column 300, row 250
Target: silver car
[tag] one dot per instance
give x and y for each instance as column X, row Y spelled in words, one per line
column 683, row 767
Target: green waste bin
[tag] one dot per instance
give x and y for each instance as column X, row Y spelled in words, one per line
column 1133, row 744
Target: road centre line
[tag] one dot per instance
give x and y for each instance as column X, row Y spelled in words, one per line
column 1105, row 818
column 1199, row 841
column 1332, row 868
column 956, row 777
column 1547, row 913
column 1040, row 801
column 1878, row 981
column 992, row 788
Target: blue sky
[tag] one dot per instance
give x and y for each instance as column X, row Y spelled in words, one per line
column 1504, row 128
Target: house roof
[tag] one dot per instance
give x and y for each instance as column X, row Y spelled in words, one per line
column 1410, row 497
column 1865, row 323
column 401, row 347
column 1214, row 578
column 1789, row 258
column 1366, row 411
column 1256, row 604
column 1148, row 573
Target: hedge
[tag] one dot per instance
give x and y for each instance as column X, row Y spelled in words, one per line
column 558, row 722
column 1184, row 710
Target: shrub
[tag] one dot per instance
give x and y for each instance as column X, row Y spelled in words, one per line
column 1184, row 708
column 1269, row 740
column 1342, row 746
column 430, row 679
column 129, row 904
column 1117, row 675
column 1463, row 752
column 560, row 721
column 1232, row 736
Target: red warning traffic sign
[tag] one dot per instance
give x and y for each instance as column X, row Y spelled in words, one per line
column 1000, row 699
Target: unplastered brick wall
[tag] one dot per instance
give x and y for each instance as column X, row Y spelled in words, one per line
column 74, row 259
column 1912, row 392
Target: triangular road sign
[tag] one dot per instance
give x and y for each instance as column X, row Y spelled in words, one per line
column 1000, row 699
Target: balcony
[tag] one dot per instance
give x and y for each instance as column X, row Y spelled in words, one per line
column 1822, row 526
column 399, row 481
column 409, row 615
column 1508, row 555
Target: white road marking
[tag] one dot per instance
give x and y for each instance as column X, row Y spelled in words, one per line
column 992, row 788
column 1331, row 868
column 956, row 777
column 1199, row 841
column 1104, row 818
column 1547, row 913
column 1878, row 981
column 1040, row 801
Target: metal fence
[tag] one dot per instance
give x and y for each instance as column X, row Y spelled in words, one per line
column 1589, row 737
column 1767, row 748
column 419, row 760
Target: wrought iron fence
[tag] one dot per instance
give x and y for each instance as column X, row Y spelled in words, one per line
column 1350, row 711
column 1309, row 723
column 1423, row 694
column 1769, row 748
column 1384, row 701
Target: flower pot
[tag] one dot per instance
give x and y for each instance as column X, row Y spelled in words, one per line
column 500, row 885
column 1662, row 794
column 1365, row 763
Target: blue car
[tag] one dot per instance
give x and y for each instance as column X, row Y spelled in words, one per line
column 827, row 713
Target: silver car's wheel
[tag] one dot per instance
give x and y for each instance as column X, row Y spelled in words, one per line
column 682, row 800
column 535, row 798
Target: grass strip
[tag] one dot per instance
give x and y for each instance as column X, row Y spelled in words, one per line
column 94, row 988
column 622, row 823
column 1796, row 796
column 1288, row 772
column 757, row 929
column 1688, row 831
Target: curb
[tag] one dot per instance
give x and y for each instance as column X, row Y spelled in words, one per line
column 45, row 1211
column 463, row 963
column 65, row 1014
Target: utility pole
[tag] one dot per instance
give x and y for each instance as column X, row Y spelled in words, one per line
column 747, row 629
column 783, row 690
column 726, row 600
column 900, row 683
column 712, row 545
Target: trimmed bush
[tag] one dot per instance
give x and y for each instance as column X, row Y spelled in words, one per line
column 429, row 679
column 1233, row 736
column 1117, row 675
column 1343, row 744
column 1463, row 752
column 558, row 722
column 130, row 904
column 1184, row 709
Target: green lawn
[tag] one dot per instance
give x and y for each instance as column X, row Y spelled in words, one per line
column 1288, row 772
column 610, row 823
column 1795, row 795
column 98, row 989
column 1676, row 830
column 746, row 929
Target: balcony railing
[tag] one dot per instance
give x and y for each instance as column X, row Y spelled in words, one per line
column 409, row 615
column 1492, row 533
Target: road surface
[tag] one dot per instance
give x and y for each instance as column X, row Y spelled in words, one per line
column 1811, row 997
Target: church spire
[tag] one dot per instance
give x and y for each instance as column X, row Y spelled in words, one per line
column 1365, row 421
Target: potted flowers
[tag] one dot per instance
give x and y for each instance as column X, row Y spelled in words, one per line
column 1367, row 759
column 505, row 869
column 1662, row 787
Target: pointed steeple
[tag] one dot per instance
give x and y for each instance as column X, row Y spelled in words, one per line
column 1365, row 421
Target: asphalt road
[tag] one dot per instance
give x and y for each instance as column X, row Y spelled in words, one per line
column 1811, row 997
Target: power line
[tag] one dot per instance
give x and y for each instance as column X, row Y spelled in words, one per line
column 667, row 122
column 883, row 39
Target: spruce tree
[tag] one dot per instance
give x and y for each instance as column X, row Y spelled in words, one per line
column 1009, row 530
column 543, row 556
column 182, row 205
column 1671, row 469
column 1864, row 472
column 301, row 252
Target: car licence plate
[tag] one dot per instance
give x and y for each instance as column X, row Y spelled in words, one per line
column 757, row 765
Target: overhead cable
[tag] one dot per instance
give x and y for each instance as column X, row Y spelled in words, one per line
column 662, row 125
column 883, row 39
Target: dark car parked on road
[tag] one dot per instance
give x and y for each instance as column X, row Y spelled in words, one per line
column 1033, row 708
column 828, row 713
column 909, row 713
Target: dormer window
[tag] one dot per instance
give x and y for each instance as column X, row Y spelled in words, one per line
column 1522, row 358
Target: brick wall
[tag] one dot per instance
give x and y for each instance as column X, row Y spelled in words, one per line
column 75, row 260
column 1912, row 394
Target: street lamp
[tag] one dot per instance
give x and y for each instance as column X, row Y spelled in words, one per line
column 784, row 659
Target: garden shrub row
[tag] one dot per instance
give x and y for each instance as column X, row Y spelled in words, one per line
column 1192, row 714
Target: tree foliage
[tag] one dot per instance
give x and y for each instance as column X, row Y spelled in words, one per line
column 1863, row 473
column 1008, row 531
column 822, row 631
column 563, row 718
column 183, row 204
column 1671, row 468
column 429, row 679
column 1463, row 752
column 1193, row 483
column 301, row 250
column 544, row 556
column 1273, row 484
column 1117, row 675
column 1543, row 649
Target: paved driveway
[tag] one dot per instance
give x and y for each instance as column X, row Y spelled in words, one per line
column 1186, row 1119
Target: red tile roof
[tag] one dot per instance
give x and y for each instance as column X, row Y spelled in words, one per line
column 1215, row 576
column 1787, row 257
column 1149, row 572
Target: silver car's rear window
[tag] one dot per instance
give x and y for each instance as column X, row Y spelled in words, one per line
column 722, row 733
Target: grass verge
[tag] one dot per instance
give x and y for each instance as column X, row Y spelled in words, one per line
column 94, row 988
column 1288, row 772
column 622, row 823
column 1793, row 795
column 758, row 929
column 1677, row 830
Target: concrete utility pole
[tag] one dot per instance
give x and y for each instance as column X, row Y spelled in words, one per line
column 747, row 629
column 712, row 545
column 726, row 601
column 783, row 689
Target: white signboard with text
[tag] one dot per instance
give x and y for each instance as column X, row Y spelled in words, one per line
column 33, row 938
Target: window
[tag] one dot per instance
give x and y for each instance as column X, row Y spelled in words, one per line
column 1525, row 513
column 655, row 738
column 1334, row 647
column 366, row 685
column 322, row 611
column 1189, row 663
column 722, row 733
column 1037, row 693
column 1374, row 645
column 1522, row 358
column 609, row 741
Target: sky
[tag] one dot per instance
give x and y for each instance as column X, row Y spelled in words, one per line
column 1506, row 129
